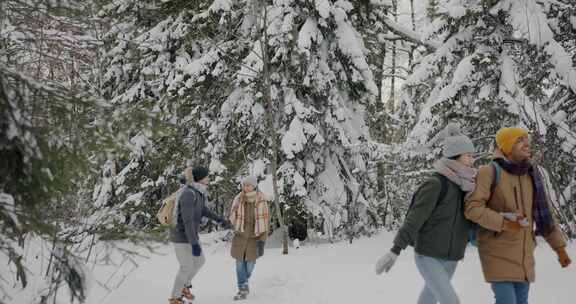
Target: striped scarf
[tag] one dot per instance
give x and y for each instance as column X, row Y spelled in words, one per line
column 262, row 216
column 540, row 208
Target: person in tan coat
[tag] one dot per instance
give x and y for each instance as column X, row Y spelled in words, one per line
column 510, row 217
column 250, row 217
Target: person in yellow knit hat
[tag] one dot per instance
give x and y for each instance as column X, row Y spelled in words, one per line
column 506, row 138
column 511, row 216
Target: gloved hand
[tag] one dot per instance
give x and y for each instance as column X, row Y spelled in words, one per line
column 386, row 262
column 260, row 247
column 516, row 217
column 196, row 250
column 511, row 226
column 563, row 257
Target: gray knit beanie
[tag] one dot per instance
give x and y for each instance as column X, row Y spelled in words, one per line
column 455, row 143
column 250, row 180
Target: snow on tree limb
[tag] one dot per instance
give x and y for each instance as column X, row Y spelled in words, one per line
column 409, row 34
column 530, row 22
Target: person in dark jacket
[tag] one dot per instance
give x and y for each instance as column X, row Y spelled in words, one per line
column 435, row 224
column 190, row 209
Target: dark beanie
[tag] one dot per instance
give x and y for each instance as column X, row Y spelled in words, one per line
column 199, row 173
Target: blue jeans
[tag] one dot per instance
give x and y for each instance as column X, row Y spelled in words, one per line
column 243, row 272
column 511, row 292
column 437, row 274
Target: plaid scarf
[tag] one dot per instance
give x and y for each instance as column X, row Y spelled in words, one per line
column 540, row 208
column 262, row 215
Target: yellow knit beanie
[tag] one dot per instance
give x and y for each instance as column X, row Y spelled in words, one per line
column 507, row 137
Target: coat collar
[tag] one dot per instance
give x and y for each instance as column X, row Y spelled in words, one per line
column 498, row 154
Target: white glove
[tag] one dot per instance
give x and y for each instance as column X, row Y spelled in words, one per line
column 511, row 216
column 386, row 262
column 515, row 217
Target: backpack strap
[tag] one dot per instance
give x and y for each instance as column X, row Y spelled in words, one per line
column 176, row 210
column 443, row 186
column 496, row 175
column 443, row 190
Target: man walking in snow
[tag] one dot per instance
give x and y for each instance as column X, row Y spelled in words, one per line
column 506, row 244
column 190, row 208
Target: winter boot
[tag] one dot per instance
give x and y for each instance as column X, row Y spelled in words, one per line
column 186, row 301
column 174, row 301
column 187, row 295
column 242, row 293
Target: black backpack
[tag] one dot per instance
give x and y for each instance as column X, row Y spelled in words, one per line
column 496, row 173
column 443, row 190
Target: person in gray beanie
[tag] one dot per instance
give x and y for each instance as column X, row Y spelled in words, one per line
column 435, row 224
column 250, row 217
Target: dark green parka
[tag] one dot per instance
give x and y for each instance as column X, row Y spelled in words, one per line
column 435, row 226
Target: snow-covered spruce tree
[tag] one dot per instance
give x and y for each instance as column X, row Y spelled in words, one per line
column 365, row 18
column 393, row 45
column 320, row 83
column 144, row 43
column 53, row 127
column 201, row 63
column 558, row 143
column 494, row 64
column 53, row 130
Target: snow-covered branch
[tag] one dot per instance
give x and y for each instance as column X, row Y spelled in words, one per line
column 409, row 34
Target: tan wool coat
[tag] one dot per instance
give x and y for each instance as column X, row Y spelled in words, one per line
column 505, row 255
column 244, row 243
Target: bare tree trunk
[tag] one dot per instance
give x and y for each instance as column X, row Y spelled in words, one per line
column 413, row 47
column 381, row 91
column 272, row 129
column 393, row 79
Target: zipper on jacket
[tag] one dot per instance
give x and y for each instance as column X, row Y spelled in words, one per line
column 453, row 222
column 523, row 230
column 521, row 197
column 516, row 199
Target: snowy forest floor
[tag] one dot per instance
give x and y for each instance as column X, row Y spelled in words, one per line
column 337, row 273
column 328, row 273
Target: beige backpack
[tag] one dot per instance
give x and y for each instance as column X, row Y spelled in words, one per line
column 166, row 213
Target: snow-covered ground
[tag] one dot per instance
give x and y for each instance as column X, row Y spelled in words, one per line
column 323, row 274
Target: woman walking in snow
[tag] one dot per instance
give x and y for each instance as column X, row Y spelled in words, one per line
column 250, row 218
column 435, row 224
